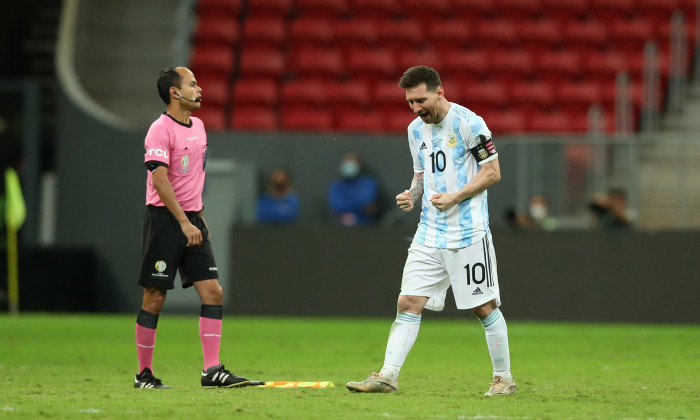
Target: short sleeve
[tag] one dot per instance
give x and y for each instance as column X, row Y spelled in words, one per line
column 157, row 145
column 413, row 146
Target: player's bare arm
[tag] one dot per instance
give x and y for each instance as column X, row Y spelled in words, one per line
column 167, row 195
column 489, row 174
column 406, row 199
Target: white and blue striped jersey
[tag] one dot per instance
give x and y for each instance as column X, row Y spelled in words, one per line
column 442, row 153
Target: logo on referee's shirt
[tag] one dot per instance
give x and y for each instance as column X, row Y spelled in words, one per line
column 161, row 266
column 185, row 161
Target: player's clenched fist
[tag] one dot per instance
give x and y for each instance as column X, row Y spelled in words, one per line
column 405, row 201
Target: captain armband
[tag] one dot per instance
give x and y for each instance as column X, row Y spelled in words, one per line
column 484, row 149
column 151, row 165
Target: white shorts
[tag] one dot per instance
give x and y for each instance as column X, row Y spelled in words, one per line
column 471, row 272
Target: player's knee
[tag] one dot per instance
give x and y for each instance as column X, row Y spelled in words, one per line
column 411, row 304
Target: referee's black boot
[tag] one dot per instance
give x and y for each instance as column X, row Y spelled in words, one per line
column 145, row 379
column 217, row 376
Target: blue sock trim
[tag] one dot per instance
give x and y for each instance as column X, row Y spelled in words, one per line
column 491, row 319
column 407, row 318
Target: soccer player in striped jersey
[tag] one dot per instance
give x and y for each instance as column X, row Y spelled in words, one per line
column 454, row 162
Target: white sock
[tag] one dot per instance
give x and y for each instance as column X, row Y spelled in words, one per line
column 497, row 340
column 403, row 334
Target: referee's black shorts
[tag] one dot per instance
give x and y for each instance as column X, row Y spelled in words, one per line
column 164, row 250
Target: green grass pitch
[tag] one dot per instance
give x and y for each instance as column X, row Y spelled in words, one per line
column 82, row 367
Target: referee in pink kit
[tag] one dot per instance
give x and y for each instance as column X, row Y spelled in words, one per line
column 175, row 235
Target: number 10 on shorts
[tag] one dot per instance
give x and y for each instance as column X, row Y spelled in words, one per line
column 477, row 273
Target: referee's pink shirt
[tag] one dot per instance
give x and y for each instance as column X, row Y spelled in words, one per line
column 184, row 149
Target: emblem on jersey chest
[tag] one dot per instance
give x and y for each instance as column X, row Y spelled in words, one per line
column 452, row 140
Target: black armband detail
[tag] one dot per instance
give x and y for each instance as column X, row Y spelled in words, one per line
column 484, row 149
column 151, row 165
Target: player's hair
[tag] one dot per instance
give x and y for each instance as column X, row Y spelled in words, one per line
column 420, row 74
column 168, row 77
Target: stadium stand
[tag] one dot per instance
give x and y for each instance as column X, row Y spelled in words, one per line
column 510, row 60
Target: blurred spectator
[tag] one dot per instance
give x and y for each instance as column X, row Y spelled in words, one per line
column 279, row 204
column 535, row 218
column 610, row 210
column 353, row 197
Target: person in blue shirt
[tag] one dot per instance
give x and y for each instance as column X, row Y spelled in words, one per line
column 353, row 197
column 279, row 204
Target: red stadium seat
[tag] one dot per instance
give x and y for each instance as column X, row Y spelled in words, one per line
column 214, row 117
column 254, row 92
column 587, row 35
column 231, row 8
column 506, row 122
column 610, row 11
column 428, row 57
column 603, row 66
column 396, row 120
column 399, row 35
column 532, row 94
column 316, row 31
column 254, row 118
column 314, row 62
column 262, row 62
column 631, row 35
column 495, row 33
column 418, row 9
column 388, row 94
column 351, row 94
column 550, row 122
column 354, row 32
column 489, row 93
column 307, row 119
column 265, row 31
column 539, row 34
column 274, row 8
column 217, row 29
column 471, row 9
column 559, row 65
column 566, row 11
column 658, row 12
column 375, row 9
column 465, row 65
column 330, row 9
column 304, row 92
column 448, row 35
column 578, row 96
column 214, row 90
column 212, row 60
column 359, row 121
column 371, row 63
column 519, row 9
column 511, row 65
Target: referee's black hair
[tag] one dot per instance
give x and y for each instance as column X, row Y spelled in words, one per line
column 168, row 77
column 420, row 74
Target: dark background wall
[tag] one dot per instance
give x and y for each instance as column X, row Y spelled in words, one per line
column 572, row 276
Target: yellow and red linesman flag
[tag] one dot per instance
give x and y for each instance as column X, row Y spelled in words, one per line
column 297, row 384
column 15, row 211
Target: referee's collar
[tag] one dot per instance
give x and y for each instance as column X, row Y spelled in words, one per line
column 178, row 122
